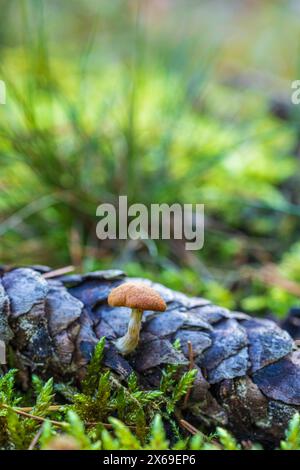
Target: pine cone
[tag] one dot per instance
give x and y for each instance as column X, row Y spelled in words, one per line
column 248, row 368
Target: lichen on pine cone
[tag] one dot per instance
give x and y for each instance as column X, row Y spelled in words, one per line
column 248, row 368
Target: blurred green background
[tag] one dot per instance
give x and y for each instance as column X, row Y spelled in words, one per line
column 165, row 101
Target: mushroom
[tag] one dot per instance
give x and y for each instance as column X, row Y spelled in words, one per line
column 138, row 297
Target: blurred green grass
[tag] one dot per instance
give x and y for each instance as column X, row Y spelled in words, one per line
column 165, row 102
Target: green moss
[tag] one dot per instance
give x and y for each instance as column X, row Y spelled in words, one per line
column 108, row 414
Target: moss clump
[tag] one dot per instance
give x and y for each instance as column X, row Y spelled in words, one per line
column 110, row 415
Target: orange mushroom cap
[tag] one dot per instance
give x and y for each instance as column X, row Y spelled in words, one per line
column 136, row 295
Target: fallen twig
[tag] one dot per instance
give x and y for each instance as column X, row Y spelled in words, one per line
column 35, row 439
column 36, row 418
column 24, row 412
column 30, row 408
column 58, row 272
column 194, row 431
column 189, row 427
column 270, row 275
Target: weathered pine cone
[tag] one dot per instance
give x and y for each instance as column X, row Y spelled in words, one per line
column 248, row 368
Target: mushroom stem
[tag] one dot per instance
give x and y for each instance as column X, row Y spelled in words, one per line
column 126, row 344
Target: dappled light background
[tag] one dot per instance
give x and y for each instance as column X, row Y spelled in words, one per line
column 164, row 101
